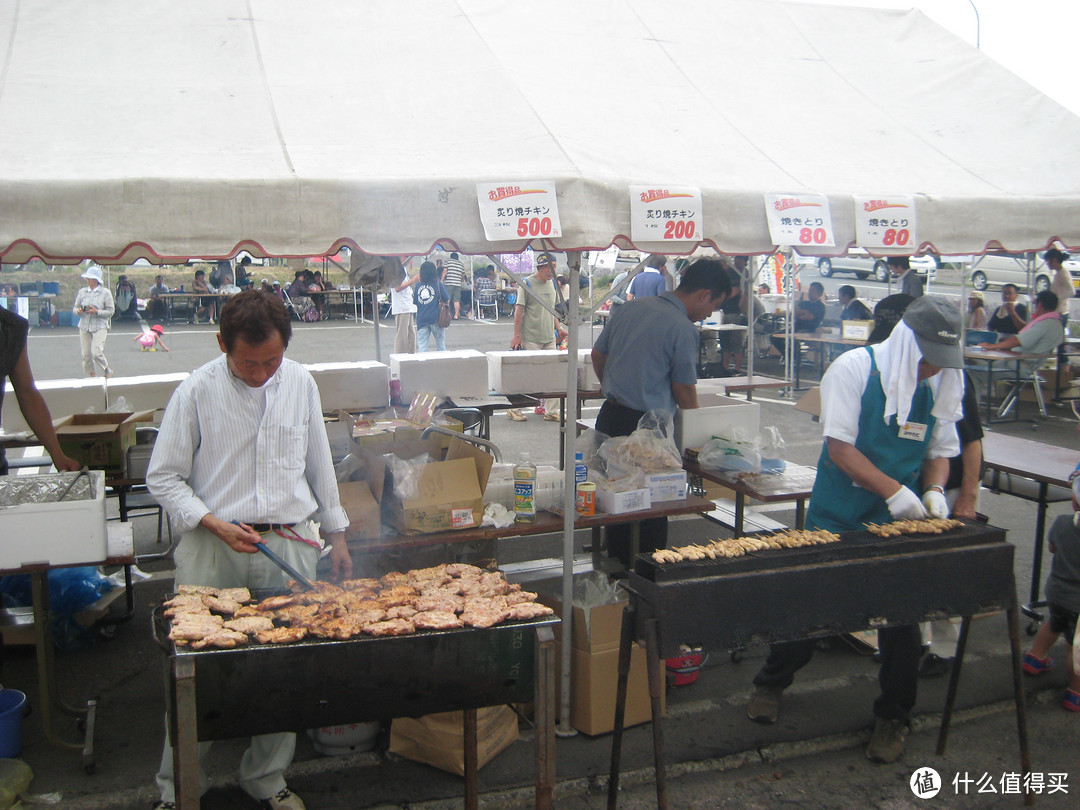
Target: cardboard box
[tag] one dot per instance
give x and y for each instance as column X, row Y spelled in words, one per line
column 668, row 486
column 100, row 440
column 595, row 629
column 856, row 330
column 365, row 516
column 438, row 739
column 717, row 415
column 71, row 532
column 617, row 503
column 810, row 402
column 362, row 385
column 586, row 378
column 528, row 371
column 451, row 492
column 449, row 374
column 594, row 679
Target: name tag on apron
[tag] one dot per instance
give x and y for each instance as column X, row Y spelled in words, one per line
column 913, row 430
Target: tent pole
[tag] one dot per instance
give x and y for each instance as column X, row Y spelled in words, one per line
column 751, row 344
column 570, row 409
column 374, row 317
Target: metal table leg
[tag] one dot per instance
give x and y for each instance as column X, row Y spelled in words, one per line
column 1031, row 609
column 545, row 718
column 472, row 780
column 656, row 693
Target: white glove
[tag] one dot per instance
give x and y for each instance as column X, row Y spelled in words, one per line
column 905, row 505
column 935, row 504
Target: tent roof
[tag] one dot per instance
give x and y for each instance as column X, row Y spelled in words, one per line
column 171, row 130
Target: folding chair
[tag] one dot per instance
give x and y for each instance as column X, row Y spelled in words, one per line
column 486, row 299
column 289, row 305
column 1011, row 398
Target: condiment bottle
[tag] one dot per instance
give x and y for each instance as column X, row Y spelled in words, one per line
column 525, row 490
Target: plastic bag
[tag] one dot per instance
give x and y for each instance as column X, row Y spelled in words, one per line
column 71, row 590
column 649, row 449
column 120, row 405
column 739, row 453
column 406, row 473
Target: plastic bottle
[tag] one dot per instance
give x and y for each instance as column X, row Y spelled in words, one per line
column 581, row 472
column 524, row 490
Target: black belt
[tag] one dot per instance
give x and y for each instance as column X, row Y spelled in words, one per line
column 266, row 528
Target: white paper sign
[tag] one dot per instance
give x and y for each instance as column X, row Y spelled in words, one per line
column 885, row 222
column 799, row 219
column 665, row 214
column 518, row 210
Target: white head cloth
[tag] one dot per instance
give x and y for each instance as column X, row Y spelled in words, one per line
column 897, row 360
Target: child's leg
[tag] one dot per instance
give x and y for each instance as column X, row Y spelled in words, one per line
column 1044, row 640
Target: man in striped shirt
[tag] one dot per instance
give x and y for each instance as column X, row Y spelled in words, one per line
column 242, row 458
column 453, row 277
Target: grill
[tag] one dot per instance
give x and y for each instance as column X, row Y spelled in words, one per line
column 863, row 581
column 257, row 689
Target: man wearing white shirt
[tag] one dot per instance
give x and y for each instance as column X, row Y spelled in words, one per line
column 262, row 475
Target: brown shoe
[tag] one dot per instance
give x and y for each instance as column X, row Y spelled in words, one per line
column 887, row 743
column 764, row 705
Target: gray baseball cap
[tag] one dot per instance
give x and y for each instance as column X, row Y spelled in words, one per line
column 936, row 324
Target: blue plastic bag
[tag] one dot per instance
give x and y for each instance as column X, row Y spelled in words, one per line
column 71, row 590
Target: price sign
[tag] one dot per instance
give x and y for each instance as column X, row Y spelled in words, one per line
column 887, row 222
column 665, row 214
column 799, row 219
column 518, row 210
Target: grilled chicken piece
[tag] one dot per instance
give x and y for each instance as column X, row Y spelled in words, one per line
column 528, row 610
column 401, row 612
column 390, row 627
column 437, row 620
column 219, row 605
column 197, row 590
column 241, row 595
column 276, row 602
column 250, row 624
column 281, row 635
column 222, row 639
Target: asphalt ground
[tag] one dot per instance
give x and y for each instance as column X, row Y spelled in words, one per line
column 717, row 758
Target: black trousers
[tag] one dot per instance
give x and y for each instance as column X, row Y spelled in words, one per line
column 901, row 648
column 618, row 420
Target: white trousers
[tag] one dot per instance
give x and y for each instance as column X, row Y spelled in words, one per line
column 202, row 558
column 93, row 351
column 405, row 336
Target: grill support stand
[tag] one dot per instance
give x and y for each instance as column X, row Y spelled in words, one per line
column 645, row 616
column 180, row 690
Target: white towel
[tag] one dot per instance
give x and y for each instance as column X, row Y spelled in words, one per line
column 898, row 361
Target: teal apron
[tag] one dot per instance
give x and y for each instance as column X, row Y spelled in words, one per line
column 837, row 503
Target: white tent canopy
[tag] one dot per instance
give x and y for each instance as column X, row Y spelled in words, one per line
column 170, row 130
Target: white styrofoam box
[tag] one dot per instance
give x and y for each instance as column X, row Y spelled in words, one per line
column 58, row 533
column 62, row 396
column 461, row 373
column 358, row 386
column 667, row 486
column 527, row 372
column 146, row 392
column 586, row 375
column 716, row 415
column 616, row 503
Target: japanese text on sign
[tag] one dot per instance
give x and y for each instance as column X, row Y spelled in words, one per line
column 520, row 210
column 799, row 219
column 665, row 214
column 885, row 222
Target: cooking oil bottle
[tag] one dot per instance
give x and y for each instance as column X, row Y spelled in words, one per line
column 524, row 490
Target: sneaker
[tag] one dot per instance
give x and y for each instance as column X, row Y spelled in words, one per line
column 764, row 705
column 1072, row 700
column 284, row 799
column 164, row 806
column 515, row 414
column 1033, row 665
column 887, row 743
column 934, row 666
column 552, row 415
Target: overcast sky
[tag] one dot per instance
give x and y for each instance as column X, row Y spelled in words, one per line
column 1038, row 40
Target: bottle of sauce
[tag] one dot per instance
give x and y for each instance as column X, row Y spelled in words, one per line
column 524, row 490
column 581, row 472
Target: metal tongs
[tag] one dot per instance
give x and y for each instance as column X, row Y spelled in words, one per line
column 284, row 566
column 84, row 471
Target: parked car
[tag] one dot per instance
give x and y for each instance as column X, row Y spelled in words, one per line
column 857, row 261
column 996, row 269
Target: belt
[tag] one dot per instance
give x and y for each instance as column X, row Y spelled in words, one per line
column 266, row 528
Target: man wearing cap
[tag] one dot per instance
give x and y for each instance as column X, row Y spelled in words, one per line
column 535, row 326
column 889, row 411
column 651, row 281
column 908, row 279
column 94, row 306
